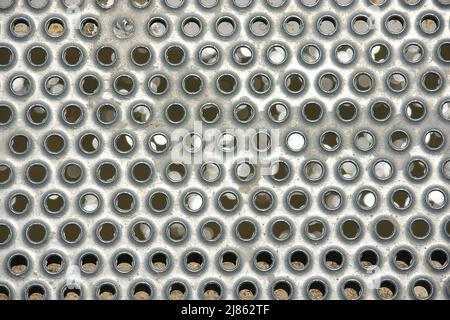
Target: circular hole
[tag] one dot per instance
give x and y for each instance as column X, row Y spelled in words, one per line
column 383, row 170
column 209, row 55
column 436, row 199
column 210, row 172
column 141, row 114
column 438, row 259
column 422, row 289
column 19, row 203
column 399, row 140
column 431, row 81
column 107, row 232
column 281, row 230
column 388, row 290
column 413, row 52
column 401, row 199
column 106, row 56
column 124, row 202
column 191, row 27
column 368, row 259
column 158, row 27
column 89, row 143
column 293, row 25
column 35, row 292
column 311, row 54
column 158, row 84
column 54, row 203
column 20, row 27
column 174, row 4
column 352, row 290
column 295, row 141
column 5, row 234
column 259, row 26
column 54, row 143
column 297, row 200
column 141, row 55
column 260, row 83
column 124, row 85
column 89, row 263
column 20, row 85
column 142, row 231
column 263, row 200
column 299, row 260
column 364, row 141
column 395, row 24
column 294, row 83
column 332, row 200
column 330, row 141
column 36, row 233
column 72, row 114
column 415, row 110
column 313, row 170
column 90, row 85
column 71, row 293
column 6, row 173
column 345, row 53
column 242, row 3
column 37, row 114
column 434, row 140
column 242, row 55
column 445, row 110
column 124, row 262
column 159, row 261
column 380, row 111
column 211, row 231
column 225, row 26
column 244, row 112
column 327, row 25
column 246, row 230
column 282, row 290
column 247, row 290
column 444, row 52
column 108, row 4
column 397, row 82
column 37, row 173
column 6, row 115
column 333, row 260
column 176, row 172
column 6, row 56
column 429, row 23
column 350, row 229
column 262, row 141
column 277, row 54
column 194, row 201
column 107, row 291
column 55, row 27
column 159, row 201
column 192, row 84
column 53, row 263
column 361, row 25
column 348, row 170
column 227, row 83
column 317, row 290
column 71, row 232
column 212, row 291
column 37, row 56
column 210, row 113
column 142, row 291
column 315, row 230
column 89, row 27
column 72, row 173
column 279, row 170
column 312, row 111
column 420, row 228
column 72, row 56
column 278, row 112
column 380, row 53
column 229, row 261
column 89, row 203
column 192, row 142
column 264, row 260
column 107, row 114
column 194, row 261
column 124, row 143
column 385, row 229
column 177, row 231
column 55, row 85
column 177, row 291
column 175, row 55
column 363, row 82
column 18, row 264
column 245, row 171
column 417, row 169
column 228, row 201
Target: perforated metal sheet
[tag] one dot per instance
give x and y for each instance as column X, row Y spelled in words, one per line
column 350, row 199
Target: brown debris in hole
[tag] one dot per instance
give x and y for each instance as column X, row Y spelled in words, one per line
column 281, row 294
column 20, row 268
column 228, row 265
column 159, row 266
column 124, row 267
column 71, row 296
column 263, row 265
column 211, row 295
column 141, row 295
column 246, row 294
column 194, row 266
column 89, row 267
column 315, row 294
column 36, row 296
column 55, row 29
column 350, row 294
column 385, row 293
column 297, row 265
column 176, row 295
column 54, row 267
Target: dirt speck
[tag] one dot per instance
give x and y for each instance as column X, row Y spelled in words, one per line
column 262, row 265
column 211, row 295
column 350, row 294
column 315, row 294
column 194, row 266
column 246, row 294
column 141, row 295
column 124, row 267
column 281, row 294
column 106, row 295
column 297, row 265
column 228, row 265
column 385, row 293
column 420, row 292
column 20, row 268
column 159, row 266
column 176, row 295
column 71, row 296
column 36, row 296
column 54, row 267
column 89, row 267
column 55, row 29
column 3, row 296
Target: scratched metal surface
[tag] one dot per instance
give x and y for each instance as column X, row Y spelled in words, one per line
column 418, row 280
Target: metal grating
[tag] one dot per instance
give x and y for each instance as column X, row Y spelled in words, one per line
column 224, row 149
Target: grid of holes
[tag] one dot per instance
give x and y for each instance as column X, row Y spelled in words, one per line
column 108, row 172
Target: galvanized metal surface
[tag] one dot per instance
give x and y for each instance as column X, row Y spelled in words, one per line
column 427, row 275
